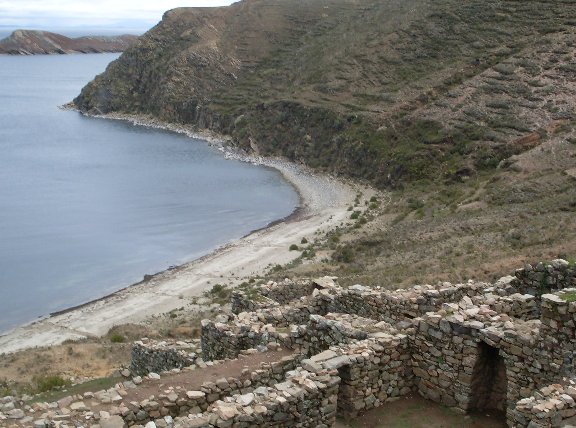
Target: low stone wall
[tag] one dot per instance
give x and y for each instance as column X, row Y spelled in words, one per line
column 274, row 294
column 179, row 402
column 334, row 329
column 397, row 306
column 220, row 341
column 553, row 406
column 542, row 278
column 243, row 302
column 472, row 346
column 516, row 305
column 160, row 356
column 304, row 399
column 287, row 291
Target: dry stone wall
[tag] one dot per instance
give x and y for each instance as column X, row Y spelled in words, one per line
column 181, row 402
column 400, row 305
column 304, row 399
column 220, row 341
column 244, row 302
column 161, row 356
column 558, row 329
column 273, row 294
column 551, row 406
column 516, row 305
column 542, row 278
column 288, row 290
column 475, row 345
column 372, row 372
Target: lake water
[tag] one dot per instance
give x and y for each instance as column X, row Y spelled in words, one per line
column 88, row 206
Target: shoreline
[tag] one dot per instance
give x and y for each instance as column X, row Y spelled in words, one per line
column 324, row 201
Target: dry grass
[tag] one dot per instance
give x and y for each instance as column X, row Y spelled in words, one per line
column 482, row 229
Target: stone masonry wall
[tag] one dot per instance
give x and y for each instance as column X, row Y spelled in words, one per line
column 323, row 332
column 274, row 294
column 378, row 370
column 542, row 278
column 181, row 402
column 220, row 341
column 450, row 345
column 288, row 290
column 304, row 399
column 507, row 346
column 559, row 329
column 243, row 302
column 153, row 356
column 399, row 305
column 520, row 306
column 551, row 406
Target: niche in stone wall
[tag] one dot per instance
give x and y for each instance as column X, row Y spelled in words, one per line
column 489, row 383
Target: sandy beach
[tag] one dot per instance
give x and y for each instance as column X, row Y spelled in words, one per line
column 324, row 204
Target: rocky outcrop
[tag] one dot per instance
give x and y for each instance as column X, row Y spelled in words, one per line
column 30, row 42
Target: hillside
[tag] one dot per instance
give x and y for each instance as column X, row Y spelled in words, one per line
column 31, row 42
column 390, row 91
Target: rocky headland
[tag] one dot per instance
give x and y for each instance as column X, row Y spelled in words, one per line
column 32, row 42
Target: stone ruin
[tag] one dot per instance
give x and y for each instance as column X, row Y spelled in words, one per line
column 506, row 347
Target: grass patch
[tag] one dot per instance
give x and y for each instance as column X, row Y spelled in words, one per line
column 49, row 383
column 117, row 338
column 90, row 386
column 569, row 297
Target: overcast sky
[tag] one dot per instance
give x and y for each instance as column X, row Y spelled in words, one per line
column 78, row 14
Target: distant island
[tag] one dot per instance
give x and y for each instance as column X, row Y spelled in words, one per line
column 32, row 42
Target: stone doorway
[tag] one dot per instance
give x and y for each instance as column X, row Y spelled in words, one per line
column 489, row 383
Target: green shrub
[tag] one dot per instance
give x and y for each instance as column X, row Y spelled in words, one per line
column 293, row 247
column 304, row 241
column 355, row 215
column 220, row 293
column 308, row 254
column 117, row 338
column 50, row 382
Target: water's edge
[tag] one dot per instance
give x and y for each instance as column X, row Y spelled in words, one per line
column 221, row 142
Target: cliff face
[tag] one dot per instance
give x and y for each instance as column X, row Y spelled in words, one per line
column 389, row 91
column 29, row 42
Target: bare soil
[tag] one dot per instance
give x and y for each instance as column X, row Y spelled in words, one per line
column 192, row 380
column 415, row 412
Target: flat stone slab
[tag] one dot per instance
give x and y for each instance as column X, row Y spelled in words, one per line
column 323, row 356
column 336, row 363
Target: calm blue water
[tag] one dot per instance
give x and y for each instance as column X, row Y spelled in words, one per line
column 88, row 206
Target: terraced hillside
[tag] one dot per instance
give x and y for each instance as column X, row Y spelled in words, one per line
column 391, row 91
